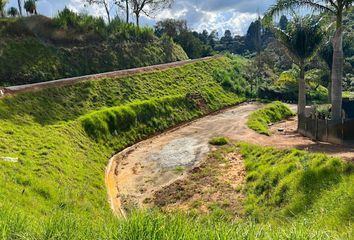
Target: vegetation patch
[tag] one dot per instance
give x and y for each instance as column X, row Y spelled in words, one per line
column 270, row 113
column 218, row 141
column 300, row 186
column 63, row 137
column 37, row 49
column 149, row 116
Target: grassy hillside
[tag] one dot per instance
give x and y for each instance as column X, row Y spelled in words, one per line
column 64, row 137
column 289, row 194
column 293, row 186
column 37, row 49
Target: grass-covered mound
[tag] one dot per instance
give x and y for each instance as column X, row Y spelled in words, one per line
column 37, row 49
column 271, row 113
column 294, row 186
column 63, row 137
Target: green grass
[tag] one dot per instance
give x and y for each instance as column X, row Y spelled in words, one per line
column 155, row 226
column 348, row 94
column 270, row 113
column 218, row 141
column 276, row 180
column 299, row 187
column 65, row 136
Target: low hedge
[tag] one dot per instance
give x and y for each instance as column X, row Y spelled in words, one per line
column 270, row 113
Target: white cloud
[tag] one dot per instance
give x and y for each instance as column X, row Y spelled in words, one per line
column 235, row 15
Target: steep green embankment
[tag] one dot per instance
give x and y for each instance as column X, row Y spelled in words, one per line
column 63, row 139
column 34, row 49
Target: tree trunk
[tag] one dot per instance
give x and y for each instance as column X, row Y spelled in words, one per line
column 337, row 74
column 20, row 7
column 301, row 104
column 127, row 10
column 329, row 88
column 137, row 19
column 106, row 7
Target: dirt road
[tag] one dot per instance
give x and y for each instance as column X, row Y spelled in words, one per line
column 137, row 172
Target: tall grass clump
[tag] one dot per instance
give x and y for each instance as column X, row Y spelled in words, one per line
column 270, row 113
column 151, row 115
column 154, row 225
column 296, row 186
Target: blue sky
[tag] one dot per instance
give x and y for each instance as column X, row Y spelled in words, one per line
column 219, row 15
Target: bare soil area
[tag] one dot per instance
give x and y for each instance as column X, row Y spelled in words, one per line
column 165, row 170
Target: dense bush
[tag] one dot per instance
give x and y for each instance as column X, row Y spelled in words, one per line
column 218, row 141
column 153, row 114
column 270, row 113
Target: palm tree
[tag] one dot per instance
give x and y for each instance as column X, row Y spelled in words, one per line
column 13, row 12
column 302, row 39
column 337, row 9
column 31, row 6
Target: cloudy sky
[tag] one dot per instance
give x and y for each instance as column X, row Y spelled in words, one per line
column 219, row 15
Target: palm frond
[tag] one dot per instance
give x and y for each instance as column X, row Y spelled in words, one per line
column 285, row 5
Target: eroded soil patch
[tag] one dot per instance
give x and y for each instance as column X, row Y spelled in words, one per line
column 216, row 184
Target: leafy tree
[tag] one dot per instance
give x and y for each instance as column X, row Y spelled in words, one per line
column 254, row 36
column 283, row 22
column 148, row 7
column 336, row 8
column 2, row 7
column 13, row 12
column 31, row 7
column 171, row 27
column 302, row 40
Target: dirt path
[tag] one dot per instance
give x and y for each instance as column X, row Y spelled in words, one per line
column 134, row 174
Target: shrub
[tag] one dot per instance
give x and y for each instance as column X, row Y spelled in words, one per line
column 155, row 113
column 271, row 113
column 219, row 141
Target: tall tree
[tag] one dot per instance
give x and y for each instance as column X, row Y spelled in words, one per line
column 302, row 40
column 31, row 7
column 283, row 22
column 13, row 12
column 19, row 2
column 2, row 7
column 148, row 7
column 105, row 3
column 336, row 8
column 254, row 36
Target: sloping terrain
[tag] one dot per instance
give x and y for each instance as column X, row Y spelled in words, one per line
column 61, row 138
column 35, row 49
